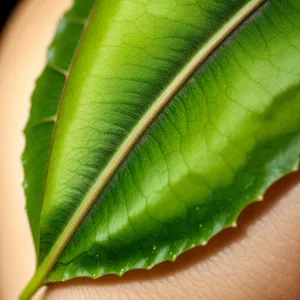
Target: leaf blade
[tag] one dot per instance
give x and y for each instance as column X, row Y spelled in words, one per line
column 68, row 261
column 118, row 132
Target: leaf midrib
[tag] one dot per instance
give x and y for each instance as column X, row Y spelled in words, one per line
column 128, row 144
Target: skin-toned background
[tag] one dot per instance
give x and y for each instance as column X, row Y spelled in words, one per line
column 258, row 260
column 22, row 57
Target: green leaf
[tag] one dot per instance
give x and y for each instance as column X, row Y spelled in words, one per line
column 154, row 124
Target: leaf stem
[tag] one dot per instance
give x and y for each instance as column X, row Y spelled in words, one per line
column 34, row 284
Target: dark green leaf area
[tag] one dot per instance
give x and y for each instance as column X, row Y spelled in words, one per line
column 38, row 132
column 81, row 9
column 36, row 156
column 44, row 99
column 62, row 50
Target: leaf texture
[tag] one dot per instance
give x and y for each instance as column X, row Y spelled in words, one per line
column 170, row 118
column 45, row 102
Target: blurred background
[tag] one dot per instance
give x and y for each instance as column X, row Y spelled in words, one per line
column 5, row 9
column 23, row 47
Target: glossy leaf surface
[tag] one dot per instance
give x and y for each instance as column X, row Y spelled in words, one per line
column 175, row 115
